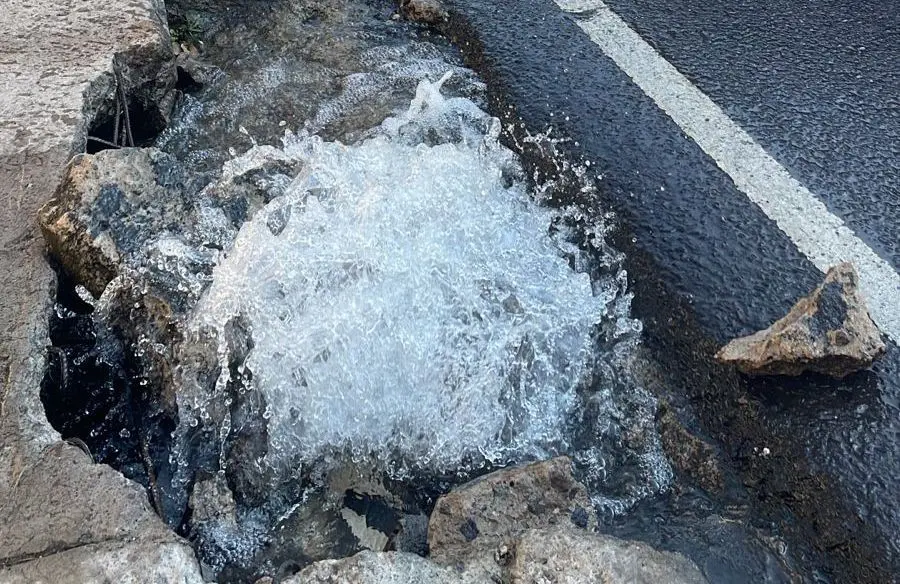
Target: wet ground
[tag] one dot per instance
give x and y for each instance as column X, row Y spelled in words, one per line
column 702, row 258
column 699, row 277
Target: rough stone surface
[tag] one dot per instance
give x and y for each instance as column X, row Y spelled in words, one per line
column 565, row 556
column 557, row 555
column 688, row 453
column 212, row 501
column 473, row 524
column 62, row 501
column 829, row 332
column 64, row 518
column 159, row 562
column 383, row 568
column 57, row 67
column 107, row 207
column 424, row 11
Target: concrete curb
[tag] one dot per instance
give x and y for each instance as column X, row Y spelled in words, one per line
column 63, row 518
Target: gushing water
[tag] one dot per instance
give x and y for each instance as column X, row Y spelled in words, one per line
column 406, row 300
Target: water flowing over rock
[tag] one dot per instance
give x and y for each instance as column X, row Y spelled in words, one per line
column 392, row 305
column 829, row 331
column 401, row 304
column 120, row 211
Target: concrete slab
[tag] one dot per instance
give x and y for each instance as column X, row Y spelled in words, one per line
column 62, row 518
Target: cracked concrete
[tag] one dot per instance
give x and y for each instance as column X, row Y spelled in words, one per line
column 63, row 518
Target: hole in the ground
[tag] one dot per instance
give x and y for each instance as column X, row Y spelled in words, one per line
column 111, row 127
column 90, row 391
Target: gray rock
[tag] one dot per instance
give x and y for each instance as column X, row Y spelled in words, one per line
column 199, row 72
column 212, row 502
column 472, row 525
column 565, row 556
column 163, row 562
column 382, row 568
column 413, row 535
column 62, row 500
column 829, row 332
column 107, row 210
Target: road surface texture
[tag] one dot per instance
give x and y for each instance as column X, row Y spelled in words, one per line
column 746, row 148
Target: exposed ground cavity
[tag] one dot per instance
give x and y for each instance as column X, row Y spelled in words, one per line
column 132, row 104
column 358, row 301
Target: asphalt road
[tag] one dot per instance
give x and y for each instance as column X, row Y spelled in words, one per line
column 816, row 85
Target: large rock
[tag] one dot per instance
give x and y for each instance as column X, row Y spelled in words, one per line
column 829, row 332
column 383, row 568
column 114, row 209
column 62, row 518
column 474, row 526
column 63, row 500
column 565, row 556
column 524, row 525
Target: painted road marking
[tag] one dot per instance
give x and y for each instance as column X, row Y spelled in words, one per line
column 819, row 235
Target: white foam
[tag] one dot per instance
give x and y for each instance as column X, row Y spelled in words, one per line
column 408, row 304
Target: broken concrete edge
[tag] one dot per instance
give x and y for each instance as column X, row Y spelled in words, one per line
column 58, row 507
column 828, row 331
column 160, row 561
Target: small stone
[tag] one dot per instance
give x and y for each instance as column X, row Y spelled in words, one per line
column 197, row 71
column 829, row 331
column 212, row 502
column 469, row 530
column 502, row 554
column 424, row 11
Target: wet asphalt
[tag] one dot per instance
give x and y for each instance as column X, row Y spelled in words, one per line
column 817, row 84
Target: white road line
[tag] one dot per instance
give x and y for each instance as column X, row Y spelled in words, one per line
column 818, row 234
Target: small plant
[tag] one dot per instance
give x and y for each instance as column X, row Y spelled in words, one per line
column 186, row 29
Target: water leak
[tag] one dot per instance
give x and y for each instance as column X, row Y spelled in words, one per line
column 404, row 306
column 368, row 300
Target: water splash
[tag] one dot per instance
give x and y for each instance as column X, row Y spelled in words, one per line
column 406, row 300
